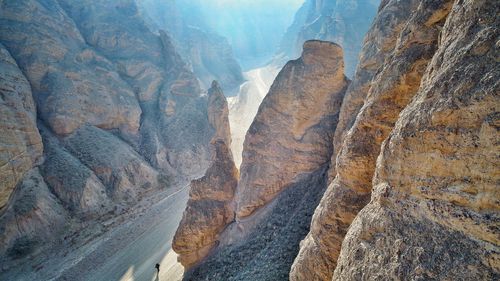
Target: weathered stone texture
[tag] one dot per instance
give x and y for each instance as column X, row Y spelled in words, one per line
column 391, row 90
column 210, row 207
column 20, row 142
column 292, row 132
column 434, row 211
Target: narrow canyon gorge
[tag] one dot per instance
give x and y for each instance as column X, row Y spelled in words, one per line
column 252, row 140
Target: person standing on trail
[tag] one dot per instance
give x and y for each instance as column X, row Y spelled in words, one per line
column 157, row 266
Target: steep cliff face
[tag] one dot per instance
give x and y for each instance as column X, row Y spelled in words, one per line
column 378, row 45
column 208, row 54
column 292, row 132
column 344, row 22
column 20, row 143
column 392, row 88
column 120, row 115
column 435, row 207
column 285, row 159
column 210, row 207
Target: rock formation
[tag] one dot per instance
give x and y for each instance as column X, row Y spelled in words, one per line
column 292, row 132
column 344, row 22
column 210, row 207
column 435, row 204
column 119, row 112
column 391, row 90
column 286, row 155
column 20, row 143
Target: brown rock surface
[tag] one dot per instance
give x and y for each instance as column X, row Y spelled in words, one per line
column 378, row 45
column 292, row 132
column 210, row 207
column 391, row 90
column 435, row 208
column 20, row 143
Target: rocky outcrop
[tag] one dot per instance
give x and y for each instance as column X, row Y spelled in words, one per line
column 32, row 219
column 210, row 207
column 391, row 90
column 292, row 133
column 344, row 22
column 434, row 210
column 73, row 183
column 20, row 143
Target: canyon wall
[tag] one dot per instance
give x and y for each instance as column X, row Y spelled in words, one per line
column 344, row 22
column 434, row 210
column 286, row 156
column 20, row 142
column 392, row 88
column 117, row 111
column 292, row 132
column 210, row 207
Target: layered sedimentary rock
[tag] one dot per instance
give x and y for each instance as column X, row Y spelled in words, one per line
column 391, row 90
column 378, row 45
column 53, row 55
column 20, row 143
column 292, row 133
column 434, row 211
column 210, row 207
column 344, row 22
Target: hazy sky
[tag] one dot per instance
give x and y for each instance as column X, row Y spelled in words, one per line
column 296, row 3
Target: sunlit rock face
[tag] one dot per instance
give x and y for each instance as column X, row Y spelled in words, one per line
column 292, row 132
column 20, row 143
column 210, row 207
column 392, row 88
column 434, row 211
column 207, row 53
column 344, row 22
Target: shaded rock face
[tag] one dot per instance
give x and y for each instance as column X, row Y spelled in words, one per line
column 32, row 219
column 20, row 143
column 208, row 54
column 210, row 207
column 392, row 88
column 292, row 132
column 344, row 22
column 267, row 251
column 434, row 210
column 120, row 113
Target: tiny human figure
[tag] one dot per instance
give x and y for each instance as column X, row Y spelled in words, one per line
column 157, row 266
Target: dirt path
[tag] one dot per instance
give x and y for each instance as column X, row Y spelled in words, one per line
column 130, row 252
